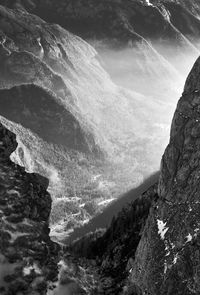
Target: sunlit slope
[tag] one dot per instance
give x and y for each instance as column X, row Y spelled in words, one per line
column 47, row 55
column 155, row 30
column 92, row 138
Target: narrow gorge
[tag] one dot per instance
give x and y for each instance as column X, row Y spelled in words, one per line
column 88, row 91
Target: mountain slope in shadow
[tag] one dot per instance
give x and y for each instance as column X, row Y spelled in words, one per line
column 104, row 219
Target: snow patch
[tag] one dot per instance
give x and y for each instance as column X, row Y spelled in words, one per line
column 189, row 238
column 162, row 229
column 95, row 177
column 149, row 3
column 29, row 268
column 175, row 259
column 105, row 202
column 165, row 267
column 196, row 232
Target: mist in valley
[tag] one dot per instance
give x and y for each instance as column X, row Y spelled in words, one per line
column 127, row 98
column 153, row 78
column 152, row 84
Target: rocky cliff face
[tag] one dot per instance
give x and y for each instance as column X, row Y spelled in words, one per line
column 167, row 258
column 28, row 258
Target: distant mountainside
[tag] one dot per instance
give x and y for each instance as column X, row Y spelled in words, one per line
column 89, row 136
column 117, row 23
column 119, row 20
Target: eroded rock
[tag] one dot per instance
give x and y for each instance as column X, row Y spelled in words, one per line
column 167, row 259
column 28, row 258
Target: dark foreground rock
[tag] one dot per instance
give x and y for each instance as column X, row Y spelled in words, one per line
column 28, row 258
column 108, row 257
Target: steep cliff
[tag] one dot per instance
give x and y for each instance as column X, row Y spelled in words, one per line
column 28, row 258
column 167, row 258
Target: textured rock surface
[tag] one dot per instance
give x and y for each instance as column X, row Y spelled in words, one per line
column 28, row 258
column 170, row 28
column 111, row 253
column 119, row 20
column 168, row 256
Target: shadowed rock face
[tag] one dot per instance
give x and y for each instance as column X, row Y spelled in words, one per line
column 28, row 258
column 168, row 256
column 114, row 250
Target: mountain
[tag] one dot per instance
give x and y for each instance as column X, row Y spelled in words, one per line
column 152, row 245
column 118, row 23
column 91, row 137
column 96, row 137
column 28, row 259
column 154, row 29
column 119, row 20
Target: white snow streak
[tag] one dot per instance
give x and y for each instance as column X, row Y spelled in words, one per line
column 189, row 238
column 149, row 3
column 162, row 229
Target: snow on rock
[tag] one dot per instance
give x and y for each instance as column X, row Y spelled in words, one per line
column 162, row 229
column 104, row 202
column 189, row 238
column 175, row 258
column 29, row 268
column 28, row 258
column 149, row 3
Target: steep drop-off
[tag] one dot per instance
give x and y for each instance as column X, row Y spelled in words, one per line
column 167, row 258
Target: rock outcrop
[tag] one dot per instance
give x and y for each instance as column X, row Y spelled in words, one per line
column 28, row 258
column 168, row 256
